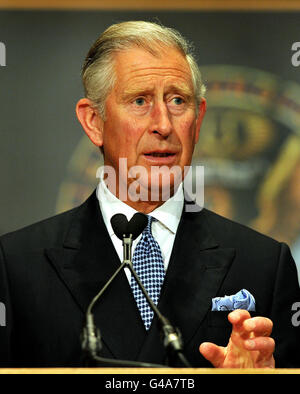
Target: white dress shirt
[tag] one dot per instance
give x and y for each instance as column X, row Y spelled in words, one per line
column 164, row 229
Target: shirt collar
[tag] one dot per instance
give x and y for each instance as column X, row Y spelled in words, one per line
column 168, row 214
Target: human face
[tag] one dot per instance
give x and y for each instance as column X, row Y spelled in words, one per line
column 150, row 113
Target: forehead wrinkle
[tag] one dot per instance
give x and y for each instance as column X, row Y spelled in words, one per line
column 142, row 82
column 143, row 78
column 136, row 67
column 146, row 89
column 172, row 71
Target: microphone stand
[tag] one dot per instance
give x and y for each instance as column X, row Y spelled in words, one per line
column 91, row 341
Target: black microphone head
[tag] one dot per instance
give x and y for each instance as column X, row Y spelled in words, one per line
column 119, row 224
column 137, row 224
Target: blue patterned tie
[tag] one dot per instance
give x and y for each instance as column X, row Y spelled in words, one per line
column 148, row 264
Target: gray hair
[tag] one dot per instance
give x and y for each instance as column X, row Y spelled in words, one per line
column 98, row 69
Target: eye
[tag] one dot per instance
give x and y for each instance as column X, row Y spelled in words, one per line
column 178, row 100
column 139, row 101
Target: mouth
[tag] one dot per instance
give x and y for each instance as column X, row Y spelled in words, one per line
column 160, row 154
column 160, row 157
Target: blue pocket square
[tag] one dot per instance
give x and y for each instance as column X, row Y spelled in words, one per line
column 241, row 300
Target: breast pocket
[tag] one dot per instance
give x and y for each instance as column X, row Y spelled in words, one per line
column 218, row 319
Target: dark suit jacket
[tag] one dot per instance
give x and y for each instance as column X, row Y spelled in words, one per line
column 50, row 271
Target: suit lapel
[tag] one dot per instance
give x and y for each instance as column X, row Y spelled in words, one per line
column 85, row 263
column 197, row 268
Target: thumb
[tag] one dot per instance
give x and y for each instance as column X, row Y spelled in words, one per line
column 213, row 353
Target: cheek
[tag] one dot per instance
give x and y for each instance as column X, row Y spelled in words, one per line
column 187, row 134
column 133, row 133
column 127, row 135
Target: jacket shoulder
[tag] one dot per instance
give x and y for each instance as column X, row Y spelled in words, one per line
column 230, row 233
column 48, row 232
column 52, row 232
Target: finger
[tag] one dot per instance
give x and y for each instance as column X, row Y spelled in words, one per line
column 264, row 345
column 213, row 353
column 237, row 318
column 260, row 326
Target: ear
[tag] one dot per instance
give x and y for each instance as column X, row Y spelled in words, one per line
column 90, row 120
column 201, row 113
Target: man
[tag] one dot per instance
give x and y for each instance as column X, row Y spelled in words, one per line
column 144, row 103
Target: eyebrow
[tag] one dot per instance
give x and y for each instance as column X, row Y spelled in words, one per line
column 140, row 90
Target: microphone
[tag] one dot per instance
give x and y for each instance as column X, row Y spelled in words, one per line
column 119, row 224
column 91, row 338
column 91, row 342
column 137, row 224
column 122, row 228
column 128, row 231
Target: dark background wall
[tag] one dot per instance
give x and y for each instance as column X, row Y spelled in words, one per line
column 42, row 154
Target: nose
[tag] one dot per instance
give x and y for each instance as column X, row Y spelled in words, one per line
column 160, row 120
